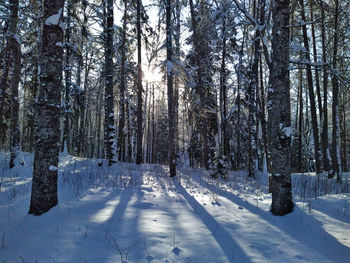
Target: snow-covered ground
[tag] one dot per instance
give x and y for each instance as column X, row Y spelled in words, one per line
column 138, row 214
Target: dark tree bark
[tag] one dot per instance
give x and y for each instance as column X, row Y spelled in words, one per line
column 336, row 163
column 177, row 36
column 301, row 119
column 121, row 131
column 139, row 88
column 170, row 75
column 311, row 93
column 343, row 132
column 109, row 94
column 199, row 55
column 223, row 93
column 279, row 122
column 15, row 49
column 47, row 132
column 314, row 50
column 325, row 144
column 5, row 65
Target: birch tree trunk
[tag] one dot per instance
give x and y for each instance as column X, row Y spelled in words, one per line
column 68, row 83
column 279, row 119
column 109, row 95
column 47, row 132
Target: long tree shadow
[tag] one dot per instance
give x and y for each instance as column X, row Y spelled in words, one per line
column 229, row 246
column 173, row 210
column 103, row 248
column 322, row 206
column 304, row 228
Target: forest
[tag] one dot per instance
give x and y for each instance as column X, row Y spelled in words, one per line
column 152, row 125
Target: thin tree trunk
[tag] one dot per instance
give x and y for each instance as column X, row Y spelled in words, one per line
column 263, row 117
column 109, row 94
column 139, row 88
column 153, row 126
column 314, row 49
column 177, row 37
column 301, row 119
column 336, row 163
column 325, row 145
column 223, row 93
column 68, row 83
column 170, row 75
column 16, row 55
column 311, row 94
column 343, row 135
column 121, row 132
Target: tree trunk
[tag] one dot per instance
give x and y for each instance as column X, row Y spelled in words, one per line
column 279, row 121
column 139, row 88
column 109, row 95
column 301, row 126
column 15, row 49
column 4, row 80
column 325, row 145
column 121, row 132
column 177, row 36
column 203, row 122
column 223, row 94
column 68, row 83
column 336, row 163
column 311, row 94
column 170, row 74
column 343, row 131
column 47, row 133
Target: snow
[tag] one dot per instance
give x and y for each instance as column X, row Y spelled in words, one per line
column 53, row 168
column 169, row 66
column 18, row 39
column 54, row 20
column 137, row 214
column 288, row 131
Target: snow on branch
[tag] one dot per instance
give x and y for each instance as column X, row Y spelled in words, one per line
column 54, row 20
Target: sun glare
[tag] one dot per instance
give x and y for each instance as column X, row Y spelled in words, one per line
column 152, row 75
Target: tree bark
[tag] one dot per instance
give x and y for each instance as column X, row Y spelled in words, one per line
column 139, row 88
column 279, row 122
column 325, row 144
column 109, row 94
column 68, row 83
column 336, row 163
column 311, row 94
column 223, row 93
column 47, row 133
column 203, row 122
column 170, row 75
column 4, row 83
column 15, row 49
column 121, row 132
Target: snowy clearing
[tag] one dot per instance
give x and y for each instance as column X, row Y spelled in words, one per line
column 129, row 213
